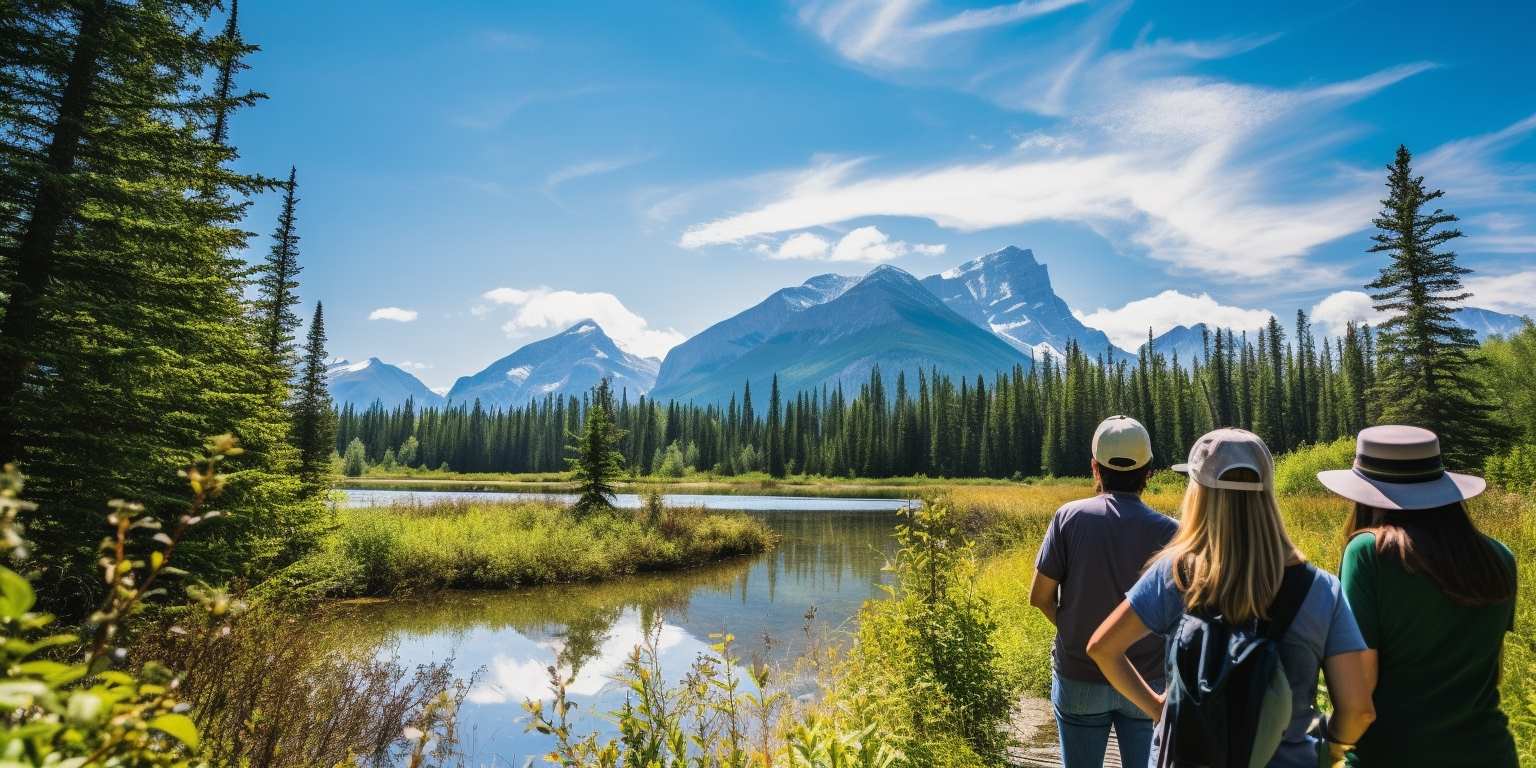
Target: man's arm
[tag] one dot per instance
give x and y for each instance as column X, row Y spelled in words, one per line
column 1042, row 595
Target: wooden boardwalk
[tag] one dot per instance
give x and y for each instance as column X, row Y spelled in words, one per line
column 1034, row 730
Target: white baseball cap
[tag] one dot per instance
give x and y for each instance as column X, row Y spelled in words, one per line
column 1223, row 450
column 1122, row 443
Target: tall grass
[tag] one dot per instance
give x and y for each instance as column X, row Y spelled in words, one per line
column 479, row 545
column 1012, row 522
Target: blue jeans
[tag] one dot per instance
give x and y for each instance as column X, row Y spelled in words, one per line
column 1084, row 713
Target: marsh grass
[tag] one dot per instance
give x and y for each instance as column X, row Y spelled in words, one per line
column 407, row 548
column 1010, row 522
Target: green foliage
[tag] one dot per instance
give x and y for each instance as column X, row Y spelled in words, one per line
column 597, row 462
column 942, row 631
column 355, row 462
column 122, row 271
column 1509, row 368
column 73, row 708
column 1296, row 472
column 1514, row 470
column 314, row 419
column 672, row 463
column 715, row 718
column 1427, row 377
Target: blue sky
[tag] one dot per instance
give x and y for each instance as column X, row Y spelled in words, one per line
column 476, row 175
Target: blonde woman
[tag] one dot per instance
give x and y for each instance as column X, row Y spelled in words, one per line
column 1232, row 580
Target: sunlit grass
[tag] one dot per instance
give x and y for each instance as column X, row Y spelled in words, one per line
column 408, row 548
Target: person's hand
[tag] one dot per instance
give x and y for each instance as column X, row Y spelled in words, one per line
column 1332, row 754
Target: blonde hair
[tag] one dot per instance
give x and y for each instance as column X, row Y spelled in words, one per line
column 1231, row 550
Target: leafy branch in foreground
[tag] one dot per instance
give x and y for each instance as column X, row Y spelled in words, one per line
column 89, row 711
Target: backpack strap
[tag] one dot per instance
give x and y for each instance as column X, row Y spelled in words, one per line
column 1294, row 587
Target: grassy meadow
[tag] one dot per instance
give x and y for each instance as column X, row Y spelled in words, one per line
column 1010, row 522
column 408, row 548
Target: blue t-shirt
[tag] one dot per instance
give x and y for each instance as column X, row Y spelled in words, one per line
column 1323, row 627
column 1097, row 548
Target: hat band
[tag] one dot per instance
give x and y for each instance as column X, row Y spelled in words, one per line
column 1423, row 470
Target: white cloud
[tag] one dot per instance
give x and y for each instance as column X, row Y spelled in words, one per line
column 1127, row 326
column 393, row 313
column 803, row 246
column 411, row 365
column 1343, row 307
column 1514, row 292
column 545, row 308
column 863, row 244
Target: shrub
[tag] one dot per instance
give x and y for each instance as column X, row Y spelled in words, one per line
column 355, row 462
column 1515, row 470
column 1296, row 472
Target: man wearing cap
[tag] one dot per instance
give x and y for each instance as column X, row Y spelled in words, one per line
column 1094, row 550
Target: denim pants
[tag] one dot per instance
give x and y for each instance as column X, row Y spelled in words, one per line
column 1084, row 713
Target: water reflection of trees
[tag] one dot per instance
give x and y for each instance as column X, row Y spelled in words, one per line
column 826, row 560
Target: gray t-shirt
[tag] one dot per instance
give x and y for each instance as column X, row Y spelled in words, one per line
column 1323, row 627
column 1096, row 548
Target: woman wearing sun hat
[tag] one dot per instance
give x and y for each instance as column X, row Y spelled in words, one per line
column 1433, row 598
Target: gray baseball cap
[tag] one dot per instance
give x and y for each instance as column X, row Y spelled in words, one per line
column 1220, row 451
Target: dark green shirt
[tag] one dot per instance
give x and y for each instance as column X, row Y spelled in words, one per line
column 1437, row 695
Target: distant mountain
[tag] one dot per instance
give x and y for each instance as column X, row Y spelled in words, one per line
column 1486, row 322
column 1188, row 342
column 692, row 365
column 362, row 384
column 568, row 363
column 1009, row 293
column 839, row 333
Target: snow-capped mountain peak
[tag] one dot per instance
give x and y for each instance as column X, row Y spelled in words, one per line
column 1009, row 293
column 567, row 363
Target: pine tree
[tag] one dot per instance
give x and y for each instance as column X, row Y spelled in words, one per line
column 314, row 419
column 597, row 462
column 775, row 432
column 277, row 286
column 1428, row 376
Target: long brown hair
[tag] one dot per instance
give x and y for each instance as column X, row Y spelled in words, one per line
column 1231, row 550
column 1445, row 546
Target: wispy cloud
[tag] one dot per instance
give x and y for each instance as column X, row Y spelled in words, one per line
column 891, row 33
column 545, row 308
column 1513, row 292
column 589, row 168
column 393, row 313
column 1127, row 326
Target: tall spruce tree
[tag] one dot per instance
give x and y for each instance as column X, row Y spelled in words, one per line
column 775, row 431
column 1427, row 372
column 277, row 286
column 314, row 419
column 596, row 461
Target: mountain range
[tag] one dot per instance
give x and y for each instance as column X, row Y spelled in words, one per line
column 988, row 314
column 570, row 362
column 373, row 380
column 827, row 332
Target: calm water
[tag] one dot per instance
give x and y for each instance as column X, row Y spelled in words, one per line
column 357, row 497
column 828, row 562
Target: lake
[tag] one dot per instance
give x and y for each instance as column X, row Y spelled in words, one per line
column 803, row 593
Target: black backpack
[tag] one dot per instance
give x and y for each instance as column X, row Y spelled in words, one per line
column 1229, row 702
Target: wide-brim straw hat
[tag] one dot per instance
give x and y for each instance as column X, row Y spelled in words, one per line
column 1400, row 467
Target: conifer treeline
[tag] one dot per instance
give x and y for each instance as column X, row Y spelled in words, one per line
column 1023, row 422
